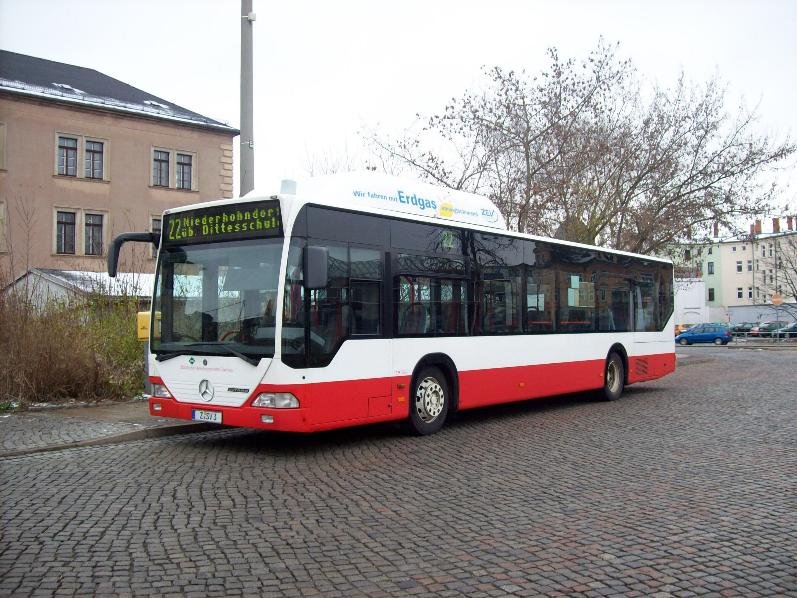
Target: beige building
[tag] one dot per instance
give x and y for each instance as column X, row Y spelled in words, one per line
column 743, row 274
column 84, row 157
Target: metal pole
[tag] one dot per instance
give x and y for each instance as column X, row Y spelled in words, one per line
column 247, row 157
column 777, row 307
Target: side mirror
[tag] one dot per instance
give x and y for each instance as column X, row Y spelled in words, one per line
column 116, row 245
column 315, row 267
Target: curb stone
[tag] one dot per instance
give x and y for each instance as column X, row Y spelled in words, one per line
column 115, row 439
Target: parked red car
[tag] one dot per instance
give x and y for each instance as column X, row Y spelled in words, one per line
column 764, row 329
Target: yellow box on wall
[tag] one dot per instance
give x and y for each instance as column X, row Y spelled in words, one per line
column 142, row 325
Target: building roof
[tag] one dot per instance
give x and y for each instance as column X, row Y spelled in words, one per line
column 126, row 284
column 68, row 84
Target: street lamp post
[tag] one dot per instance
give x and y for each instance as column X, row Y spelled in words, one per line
column 247, row 154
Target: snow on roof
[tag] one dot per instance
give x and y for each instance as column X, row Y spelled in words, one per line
column 125, row 284
column 57, row 81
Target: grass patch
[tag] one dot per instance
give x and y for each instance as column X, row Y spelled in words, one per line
column 82, row 348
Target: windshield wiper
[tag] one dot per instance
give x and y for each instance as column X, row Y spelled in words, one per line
column 172, row 354
column 255, row 361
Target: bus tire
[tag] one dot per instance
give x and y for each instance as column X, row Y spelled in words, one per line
column 613, row 378
column 429, row 401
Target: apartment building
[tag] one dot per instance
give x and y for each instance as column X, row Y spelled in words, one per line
column 743, row 274
column 84, row 156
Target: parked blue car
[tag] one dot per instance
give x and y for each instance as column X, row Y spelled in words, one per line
column 705, row 333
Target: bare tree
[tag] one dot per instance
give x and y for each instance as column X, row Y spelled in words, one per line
column 777, row 270
column 586, row 151
column 321, row 163
column 23, row 218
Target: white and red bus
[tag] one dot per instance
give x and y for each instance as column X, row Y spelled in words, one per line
column 354, row 299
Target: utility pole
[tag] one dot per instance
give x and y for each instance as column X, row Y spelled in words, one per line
column 247, row 157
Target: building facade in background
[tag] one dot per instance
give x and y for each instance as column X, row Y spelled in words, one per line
column 84, row 156
column 745, row 276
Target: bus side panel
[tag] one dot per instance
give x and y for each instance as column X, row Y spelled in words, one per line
column 350, row 400
column 356, row 385
column 649, row 367
column 488, row 387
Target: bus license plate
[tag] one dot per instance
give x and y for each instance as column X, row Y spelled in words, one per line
column 201, row 415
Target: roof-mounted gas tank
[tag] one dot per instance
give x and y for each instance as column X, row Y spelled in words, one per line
column 374, row 192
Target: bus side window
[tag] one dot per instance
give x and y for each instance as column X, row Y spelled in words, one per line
column 414, row 303
column 365, row 306
column 329, row 308
column 540, row 298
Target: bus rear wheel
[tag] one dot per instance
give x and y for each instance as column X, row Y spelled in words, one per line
column 613, row 378
column 429, row 401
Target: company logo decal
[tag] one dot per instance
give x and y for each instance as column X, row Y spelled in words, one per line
column 206, row 390
column 412, row 202
column 191, row 360
column 490, row 215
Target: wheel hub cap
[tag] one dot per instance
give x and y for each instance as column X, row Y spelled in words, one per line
column 429, row 400
column 611, row 376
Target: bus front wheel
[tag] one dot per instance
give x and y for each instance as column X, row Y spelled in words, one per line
column 613, row 378
column 429, row 401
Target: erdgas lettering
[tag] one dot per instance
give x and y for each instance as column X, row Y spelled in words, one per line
column 414, row 200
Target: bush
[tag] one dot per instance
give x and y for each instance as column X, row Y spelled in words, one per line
column 82, row 349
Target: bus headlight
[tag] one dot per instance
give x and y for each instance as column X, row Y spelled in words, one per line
column 276, row 400
column 159, row 390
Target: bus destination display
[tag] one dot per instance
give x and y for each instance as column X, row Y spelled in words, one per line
column 224, row 223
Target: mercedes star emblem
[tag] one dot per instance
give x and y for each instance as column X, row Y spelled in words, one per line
column 206, row 390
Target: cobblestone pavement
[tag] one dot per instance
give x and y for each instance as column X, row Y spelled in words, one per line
column 36, row 429
column 685, row 486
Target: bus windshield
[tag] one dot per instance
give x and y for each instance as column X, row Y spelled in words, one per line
column 216, row 299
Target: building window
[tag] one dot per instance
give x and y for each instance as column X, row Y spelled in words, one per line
column 155, row 227
column 710, row 268
column 744, row 247
column 2, row 147
column 687, row 254
column 749, row 265
column 93, row 161
column 770, row 250
column 749, row 292
column 65, row 232
column 93, row 234
column 67, row 156
column 771, row 277
column 3, row 233
column 709, row 250
column 174, row 169
column 184, row 171
column 734, row 247
column 160, row 168
column 738, row 266
column 711, row 294
column 739, row 293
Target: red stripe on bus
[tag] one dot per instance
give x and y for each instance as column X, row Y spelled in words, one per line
column 329, row 405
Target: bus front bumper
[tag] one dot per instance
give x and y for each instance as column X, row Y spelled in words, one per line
column 283, row 420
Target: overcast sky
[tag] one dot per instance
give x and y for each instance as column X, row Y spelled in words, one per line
column 324, row 70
